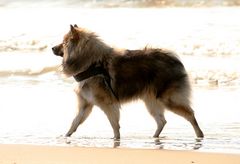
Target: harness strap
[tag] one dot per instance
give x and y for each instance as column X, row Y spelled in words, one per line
column 90, row 72
column 94, row 70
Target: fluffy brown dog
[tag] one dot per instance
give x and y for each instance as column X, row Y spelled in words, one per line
column 107, row 78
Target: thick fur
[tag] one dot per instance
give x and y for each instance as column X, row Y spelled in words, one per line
column 155, row 76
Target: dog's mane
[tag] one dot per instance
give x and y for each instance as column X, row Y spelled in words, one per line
column 90, row 49
column 100, row 52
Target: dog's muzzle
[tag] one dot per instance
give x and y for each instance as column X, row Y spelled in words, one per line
column 58, row 50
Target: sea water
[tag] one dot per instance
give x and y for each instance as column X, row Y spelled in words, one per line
column 37, row 103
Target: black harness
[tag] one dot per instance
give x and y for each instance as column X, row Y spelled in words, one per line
column 94, row 70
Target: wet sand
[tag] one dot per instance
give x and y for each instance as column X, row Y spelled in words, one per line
column 26, row 154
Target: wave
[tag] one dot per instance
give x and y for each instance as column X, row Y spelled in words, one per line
column 23, row 42
column 32, row 45
column 29, row 72
column 28, row 64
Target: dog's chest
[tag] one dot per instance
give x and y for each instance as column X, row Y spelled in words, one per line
column 86, row 92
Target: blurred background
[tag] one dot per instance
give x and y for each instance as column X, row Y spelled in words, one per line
column 37, row 103
column 125, row 3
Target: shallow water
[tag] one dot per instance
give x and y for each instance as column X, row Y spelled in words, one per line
column 40, row 112
column 38, row 104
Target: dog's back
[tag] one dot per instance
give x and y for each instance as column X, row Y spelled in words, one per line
column 148, row 69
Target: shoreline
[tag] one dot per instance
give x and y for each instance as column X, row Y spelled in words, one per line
column 29, row 154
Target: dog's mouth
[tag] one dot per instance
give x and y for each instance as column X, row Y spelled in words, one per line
column 58, row 50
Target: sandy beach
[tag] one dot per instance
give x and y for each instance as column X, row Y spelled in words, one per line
column 28, row 154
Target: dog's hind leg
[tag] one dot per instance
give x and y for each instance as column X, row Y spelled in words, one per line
column 113, row 114
column 156, row 110
column 182, row 108
column 187, row 113
column 84, row 109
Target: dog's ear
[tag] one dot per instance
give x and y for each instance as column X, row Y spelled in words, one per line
column 75, row 25
column 74, row 32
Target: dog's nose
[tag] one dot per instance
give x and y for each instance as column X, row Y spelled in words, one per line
column 55, row 50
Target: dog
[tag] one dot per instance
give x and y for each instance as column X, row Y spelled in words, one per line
column 108, row 78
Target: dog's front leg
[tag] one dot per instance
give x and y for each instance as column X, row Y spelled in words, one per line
column 113, row 115
column 84, row 109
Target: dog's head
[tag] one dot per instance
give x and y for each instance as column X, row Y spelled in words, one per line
column 73, row 51
column 58, row 49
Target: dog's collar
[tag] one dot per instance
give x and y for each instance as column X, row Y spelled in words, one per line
column 94, row 70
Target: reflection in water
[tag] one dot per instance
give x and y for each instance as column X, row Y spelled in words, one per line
column 116, row 143
column 198, row 143
column 153, row 143
column 160, row 143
